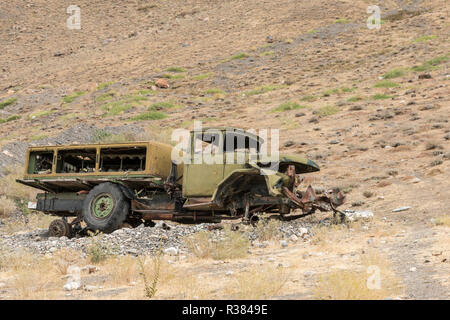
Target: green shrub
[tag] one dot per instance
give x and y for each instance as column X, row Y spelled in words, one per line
column 431, row 64
column 381, row 97
column 103, row 85
column 7, row 102
column 327, row 111
column 395, row 73
column 175, row 69
column 386, row 84
column 424, row 38
column 11, row 118
column 239, row 56
column 287, row 106
column 201, row 76
column 150, row 115
column 214, row 91
column 263, row 89
column 354, row 98
column 162, row 105
column 309, row 98
column 71, row 97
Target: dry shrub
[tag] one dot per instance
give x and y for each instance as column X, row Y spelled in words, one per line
column 64, row 258
column 33, row 276
column 7, row 207
column 98, row 251
column 122, row 269
column 442, row 221
column 401, row 148
column 151, row 275
column 262, row 283
column 383, row 183
column 324, row 235
column 232, row 245
column 14, row 190
column 375, row 280
column 187, row 286
column 268, row 229
column 35, row 220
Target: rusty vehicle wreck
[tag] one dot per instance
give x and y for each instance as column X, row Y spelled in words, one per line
column 104, row 187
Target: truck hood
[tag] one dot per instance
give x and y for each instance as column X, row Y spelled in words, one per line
column 302, row 165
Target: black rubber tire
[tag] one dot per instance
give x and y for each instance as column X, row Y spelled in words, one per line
column 118, row 215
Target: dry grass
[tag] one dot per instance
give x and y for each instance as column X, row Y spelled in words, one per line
column 10, row 188
column 64, row 258
column 374, row 280
column 268, row 229
column 232, row 245
column 33, row 276
column 324, row 236
column 261, row 283
column 123, row 270
column 98, row 251
column 442, row 221
column 7, row 206
column 32, row 221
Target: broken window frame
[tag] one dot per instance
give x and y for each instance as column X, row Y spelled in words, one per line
column 143, row 162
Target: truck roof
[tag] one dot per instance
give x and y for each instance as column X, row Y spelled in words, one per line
column 82, row 145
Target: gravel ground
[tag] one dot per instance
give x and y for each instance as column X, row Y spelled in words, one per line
column 141, row 240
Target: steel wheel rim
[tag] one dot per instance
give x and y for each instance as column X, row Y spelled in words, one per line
column 102, row 206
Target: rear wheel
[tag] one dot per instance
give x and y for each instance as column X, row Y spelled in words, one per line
column 59, row 228
column 105, row 208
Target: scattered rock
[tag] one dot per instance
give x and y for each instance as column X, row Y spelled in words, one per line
column 401, row 209
column 353, row 215
column 289, row 143
column 172, row 251
column 425, row 76
column 162, row 83
column 416, row 180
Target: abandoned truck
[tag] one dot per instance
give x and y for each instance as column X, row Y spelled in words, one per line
column 104, row 187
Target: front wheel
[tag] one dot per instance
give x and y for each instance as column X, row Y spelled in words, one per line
column 105, row 208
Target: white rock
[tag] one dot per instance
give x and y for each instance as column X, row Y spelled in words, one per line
column 271, row 259
column 229, row 273
column 118, row 232
column 303, row 232
column 284, row 243
column 73, row 279
column 401, row 209
column 293, row 238
column 416, row 180
column 172, row 251
column 69, row 286
column 353, row 215
column 308, row 273
column 413, row 269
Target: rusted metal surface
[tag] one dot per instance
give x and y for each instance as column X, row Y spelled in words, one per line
column 309, row 201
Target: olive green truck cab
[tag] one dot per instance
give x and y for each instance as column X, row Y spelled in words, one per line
column 107, row 186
